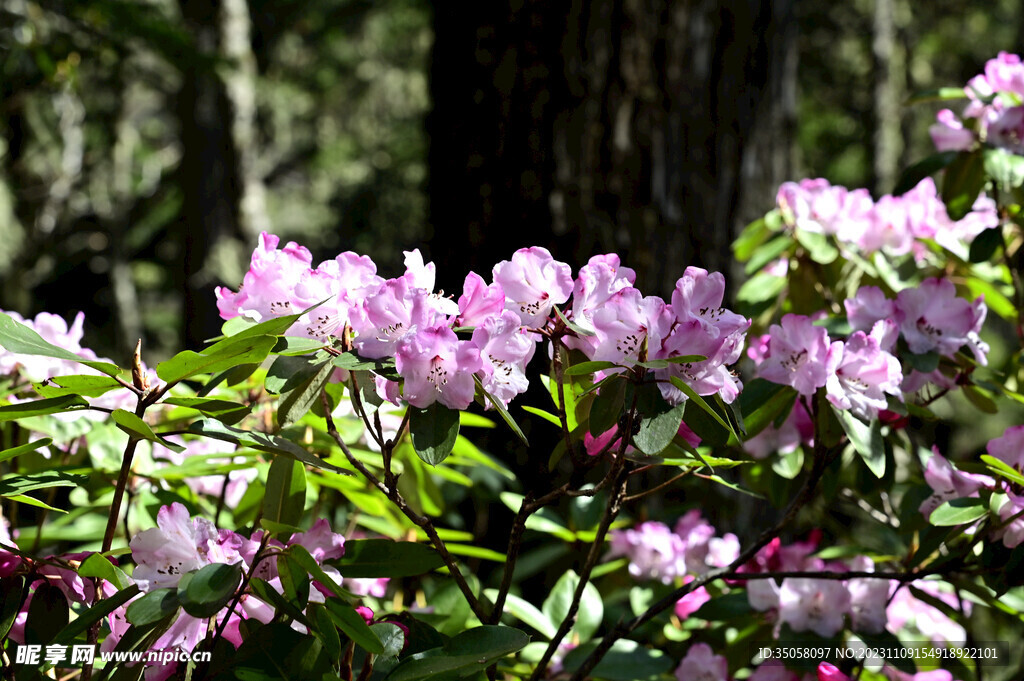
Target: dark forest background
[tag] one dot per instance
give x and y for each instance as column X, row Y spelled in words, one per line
column 144, row 144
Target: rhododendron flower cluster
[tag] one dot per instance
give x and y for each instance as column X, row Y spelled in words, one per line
column 994, row 114
column 657, row 552
column 403, row 318
column 180, row 543
column 893, row 224
column 857, row 374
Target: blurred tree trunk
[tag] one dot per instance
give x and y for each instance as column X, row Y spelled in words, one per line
column 652, row 129
column 221, row 194
column 890, row 91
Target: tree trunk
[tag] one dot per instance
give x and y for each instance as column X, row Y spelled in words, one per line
column 652, row 129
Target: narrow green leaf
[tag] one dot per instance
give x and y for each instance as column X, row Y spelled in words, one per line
column 587, row 368
column 97, row 612
column 325, row 629
column 527, row 613
column 294, row 581
column 24, row 449
column 959, row 512
column 434, row 430
column 271, row 596
column 669, row 361
column 546, row 415
column 32, row 501
column 48, row 614
column 302, row 558
column 50, row 405
column 12, row 485
column 1002, row 469
column 286, row 491
column 140, row 430
column 502, row 411
column 579, row 330
column 12, row 593
column 262, row 442
column 227, row 354
column 20, row 339
column 224, row 411
column 353, row 625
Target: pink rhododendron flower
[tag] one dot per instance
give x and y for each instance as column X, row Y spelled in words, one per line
column 701, row 664
column 948, row 483
column 55, row 330
column 533, row 283
column 268, row 289
column 340, row 285
column 367, row 586
column 691, row 602
column 868, row 598
column 1012, row 514
column 818, row 206
column 386, row 317
column 905, row 609
column 177, row 545
column 774, row 670
column 894, row 674
column 800, row 354
column 437, row 367
column 818, row 605
column 621, row 326
column 697, row 324
column 932, row 317
column 479, row 301
column 868, row 307
column 654, row 551
column 1009, row 447
column 505, row 348
column 864, row 375
column 949, row 133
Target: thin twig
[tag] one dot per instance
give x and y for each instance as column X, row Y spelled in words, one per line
column 421, row 521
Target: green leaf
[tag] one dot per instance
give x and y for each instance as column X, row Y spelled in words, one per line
column 789, row 465
column 288, row 373
column 527, row 613
column 391, row 636
column 591, row 607
column 50, row 405
column 579, row 330
column 226, row 354
column 658, row 429
column 942, row 94
column 469, row 652
column 48, row 614
column 1005, row 168
column 700, row 402
column 502, row 411
column 262, row 442
column 669, row 361
column 286, row 491
column 964, row 180
column 153, row 607
column 926, row 362
column 294, row 581
column 301, row 556
column 959, row 512
column 1002, row 469
column 761, row 402
column 85, row 385
column 587, row 368
column 979, row 399
column 20, row 339
column 32, row 501
column 818, row 246
column 224, row 411
column 353, row 625
column 97, row 612
column 386, row 558
column 296, row 346
column 760, row 288
column 140, row 430
column 24, row 449
column 926, row 167
column 325, row 629
column 12, row 485
column 295, row 403
column 985, row 244
column 866, row 440
column 271, row 596
column 607, row 407
column 546, row 415
column 204, row 592
column 434, row 430
column 12, row 592
column 99, row 566
column 353, row 362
